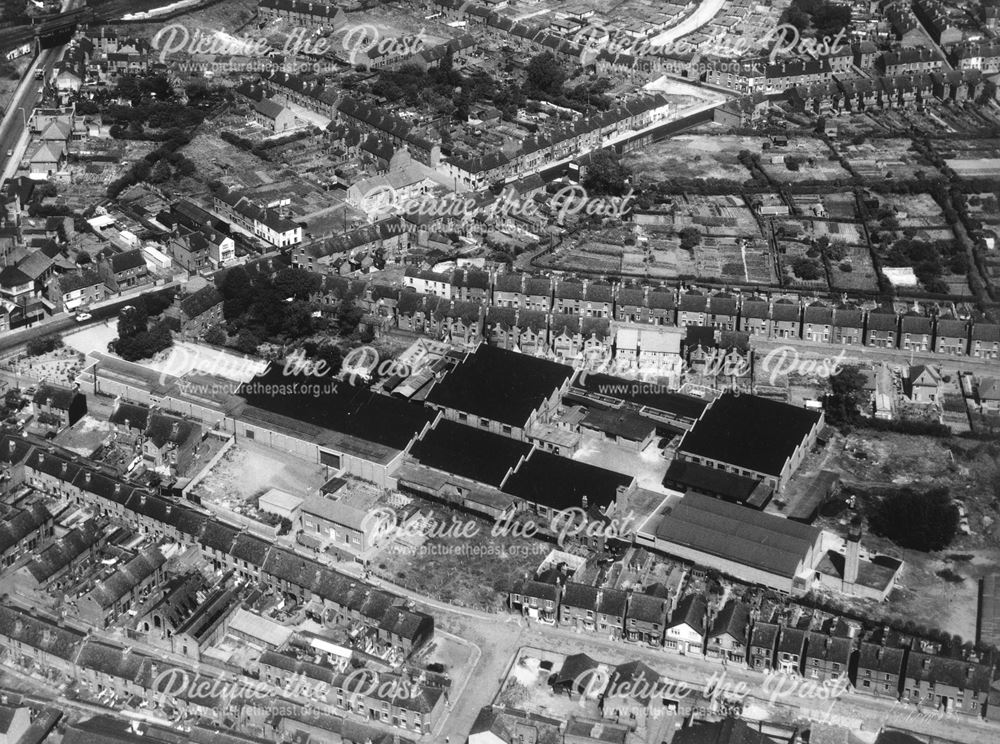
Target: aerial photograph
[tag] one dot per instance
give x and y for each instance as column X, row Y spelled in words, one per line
column 500, row 372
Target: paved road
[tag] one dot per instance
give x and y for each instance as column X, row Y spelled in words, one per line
column 866, row 355
column 12, row 341
column 501, row 638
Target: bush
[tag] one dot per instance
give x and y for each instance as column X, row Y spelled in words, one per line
column 43, row 345
column 805, row 268
column 846, row 266
column 912, row 519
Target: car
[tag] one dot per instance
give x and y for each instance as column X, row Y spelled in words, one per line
column 82, row 317
column 10, row 153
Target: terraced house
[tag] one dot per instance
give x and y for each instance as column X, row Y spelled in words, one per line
column 591, row 608
column 879, row 670
column 646, row 618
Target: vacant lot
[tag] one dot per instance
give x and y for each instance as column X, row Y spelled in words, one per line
column 694, row 156
column 247, row 470
column 812, row 156
column 217, row 159
column 470, row 572
column 971, row 471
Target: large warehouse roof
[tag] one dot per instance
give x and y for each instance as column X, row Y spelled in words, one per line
column 749, row 432
column 738, row 534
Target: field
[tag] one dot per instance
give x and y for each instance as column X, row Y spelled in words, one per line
column 914, row 210
column 693, row 156
column 971, row 470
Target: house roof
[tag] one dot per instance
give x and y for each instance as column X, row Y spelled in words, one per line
column 163, row 428
column 691, row 611
column 948, row 671
column 647, row 608
column 880, row 658
column 20, row 523
column 764, row 635
column 127, row 260
column 732, row 620
column 61, row 397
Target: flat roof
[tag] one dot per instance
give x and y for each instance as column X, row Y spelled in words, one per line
column 499, row 385
column 560, row 483
column 281, row 499
column 749, row 432
column 642, row 394
column 709, row 481
column 469, row 452
column 738, row 534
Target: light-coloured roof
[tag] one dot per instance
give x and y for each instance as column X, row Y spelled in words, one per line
column 280, row 499
column 259, row 627
column 627, row 338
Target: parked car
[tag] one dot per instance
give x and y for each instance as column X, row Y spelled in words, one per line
column 83, row 317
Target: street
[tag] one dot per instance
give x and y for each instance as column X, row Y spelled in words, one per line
column 501, row 638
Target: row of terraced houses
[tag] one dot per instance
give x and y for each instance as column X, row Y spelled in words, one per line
column 730, row 635
column 479, row 305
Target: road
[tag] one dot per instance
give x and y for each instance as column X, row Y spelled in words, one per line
column 502, row 639
column 12, row 341
column 24, row 100
column 866, row 355
column 702, row 15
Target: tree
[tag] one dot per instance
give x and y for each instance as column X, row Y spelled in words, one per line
column 924, row 521
column 805, row 268
column 216, row 335
column 161, row 172
column 690, row 237
column 132, row 319
column 545, row 74
column 237, row 293
column 846, row 397
column 606, row 175
column 42, row 345
column 247, row 342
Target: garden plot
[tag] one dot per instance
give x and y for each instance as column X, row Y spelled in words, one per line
column 804, row 159
column 911, row 210
column 892, row 157
column 854, row 269
column 801, row 262
column 592, row 256
column 984, row 207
